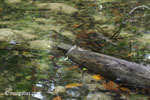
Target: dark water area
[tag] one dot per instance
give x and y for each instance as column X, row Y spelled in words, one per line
column 32, row 68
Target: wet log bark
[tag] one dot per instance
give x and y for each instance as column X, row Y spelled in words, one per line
column 118, row 70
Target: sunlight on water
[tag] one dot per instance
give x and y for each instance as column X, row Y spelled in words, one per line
column 38, row 95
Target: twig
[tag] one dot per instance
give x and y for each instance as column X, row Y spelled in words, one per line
column 142, row 6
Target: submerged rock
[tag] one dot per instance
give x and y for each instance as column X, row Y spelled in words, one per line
column 93, row 87
column 98, row 96
column 144, row 39
column 69, row 35
column 59, row 89
column 25, row 36
column 41, row 44
column 9, row 35
column 107, row 1
column 15, row 37
column 108, row 28
column 12, row 1
column 100, row 17
column 13, row 42
column 6, row 35
column 138, row 97
column 73, row 92
column 58, row 7
column 2, row 39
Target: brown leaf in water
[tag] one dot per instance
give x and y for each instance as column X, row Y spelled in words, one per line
column 131, row 54
column 111, row 86
column 82, row 35
column 97, row 77
column 72, row 85
column 72, row 67
column 125, row 90
column 75, row 25
column 57, row 98
column 102, row 45
column 91, row 32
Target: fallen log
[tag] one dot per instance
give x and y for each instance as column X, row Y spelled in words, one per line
column 118, row 70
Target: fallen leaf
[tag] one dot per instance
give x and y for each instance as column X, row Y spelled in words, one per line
column 131, row 54
column 72, row 67
column 91, row 32
column 82, row 35
column 75, row 25
column 125, row 89
column 72, row 85
column 111, row 86
column 57, row 98
column 51, row 57
column 97, row 77
column 135, row 46
column 102, row 45
column 84, row 69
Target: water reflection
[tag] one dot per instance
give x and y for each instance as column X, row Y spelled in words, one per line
column 38, row 95
column 147, row 56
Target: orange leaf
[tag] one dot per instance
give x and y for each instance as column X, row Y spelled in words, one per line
column 131, row 54
column 135, row 46
column 125, row 89
column 72, row 85
column 57, row 98
column 97, row 77
column 72, row 67
column 75, row 25
column 111, row 86
column 102, row 45
column 51, row 57
column 105, row 85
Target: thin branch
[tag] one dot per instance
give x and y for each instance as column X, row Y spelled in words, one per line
column 142, row 6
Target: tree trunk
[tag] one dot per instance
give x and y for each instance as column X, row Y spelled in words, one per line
column 118, row 70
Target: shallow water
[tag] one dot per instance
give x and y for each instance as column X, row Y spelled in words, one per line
column 32, row 68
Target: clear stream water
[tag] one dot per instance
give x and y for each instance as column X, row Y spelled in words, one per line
column 33, row 69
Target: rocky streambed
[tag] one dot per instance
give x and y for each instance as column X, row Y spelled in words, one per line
column 30, row 61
